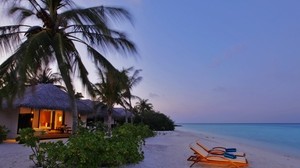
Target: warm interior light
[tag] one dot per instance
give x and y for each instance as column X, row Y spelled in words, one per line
column 60, row 118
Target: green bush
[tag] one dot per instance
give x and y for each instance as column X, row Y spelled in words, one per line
column 3, row 133
column 85, row 148
column 52, row 154
column 93, row 149
column 28, row 139
column 156, row 121
column 139, row 131
column 128, row 139
column 90, row 148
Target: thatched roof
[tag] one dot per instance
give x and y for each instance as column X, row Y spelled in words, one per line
column 48, row 96
column 117, row 113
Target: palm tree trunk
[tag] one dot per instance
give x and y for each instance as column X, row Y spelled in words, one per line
column 126, row 117
column 126, row 114
column 109, row 122
column 74, row 114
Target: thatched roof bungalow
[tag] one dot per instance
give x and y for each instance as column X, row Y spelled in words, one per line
column 48, row 96
column 42, row 106
column 118, row 114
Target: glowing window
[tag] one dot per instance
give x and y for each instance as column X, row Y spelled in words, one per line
column 45, row 119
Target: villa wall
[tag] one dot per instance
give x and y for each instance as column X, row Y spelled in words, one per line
column 9, row 118
column 68, row 119
column 83, row 119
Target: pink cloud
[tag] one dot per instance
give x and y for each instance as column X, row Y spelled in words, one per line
column 228, row 54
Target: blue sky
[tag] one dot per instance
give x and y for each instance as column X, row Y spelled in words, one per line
column 215, row 60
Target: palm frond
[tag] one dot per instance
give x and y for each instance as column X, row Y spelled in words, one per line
column 9, row 88
column 98, row 59
column 35, row 52
column 8, row 65
column 62, row 61
column 21, row 13
column 83, row 73
column 96, row 15
column 106, row 41
column 135, row 80
column 10, row 37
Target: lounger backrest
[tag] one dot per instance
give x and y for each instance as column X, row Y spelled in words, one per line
column 198, row 150
column 198, row 143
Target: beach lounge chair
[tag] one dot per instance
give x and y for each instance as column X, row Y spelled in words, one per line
column 221, row 150
column 202, row 156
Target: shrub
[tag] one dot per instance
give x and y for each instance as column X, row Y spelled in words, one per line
column 28, row 139
column 52, row 154
column 3, row 133
column 156, row 121
column 93, row 149
column 90, row 148
column 85, row 149
column 128, row 139
column 139, row 131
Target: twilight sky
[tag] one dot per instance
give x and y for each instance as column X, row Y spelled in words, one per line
column 215, row 60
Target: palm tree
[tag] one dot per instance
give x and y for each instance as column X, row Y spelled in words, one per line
column 8, row 88
column 44, row 75
column 78, row 95
column 63, row 24
column 109, row 92
column 129, row 82
column 143, row 106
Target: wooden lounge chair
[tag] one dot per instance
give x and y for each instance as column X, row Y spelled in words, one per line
column 202, row 156
column 220, row 150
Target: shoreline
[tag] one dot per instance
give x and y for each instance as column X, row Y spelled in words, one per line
column 284, row 149
column 265, row 146
column 167, row 149
column 171, row 149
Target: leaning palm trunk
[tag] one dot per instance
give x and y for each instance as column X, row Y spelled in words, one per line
column 74, row 116
column 126, row 111
column 109, row 122
column 126, row 117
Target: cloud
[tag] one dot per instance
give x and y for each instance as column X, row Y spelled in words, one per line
column 153, row 95
column 228, row 54
column 220, row 89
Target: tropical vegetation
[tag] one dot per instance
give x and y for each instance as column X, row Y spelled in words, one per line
column 60, row 26
column 130, row 82
column 3, row 133
column 144, row 113
column 44, row 75
column 89, row 148
column 115, row 89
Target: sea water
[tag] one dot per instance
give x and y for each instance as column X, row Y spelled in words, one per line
column 284, row 138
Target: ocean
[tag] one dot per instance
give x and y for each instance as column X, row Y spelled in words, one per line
column 284, row 138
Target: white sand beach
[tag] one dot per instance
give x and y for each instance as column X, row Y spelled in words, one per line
column 166, row 150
